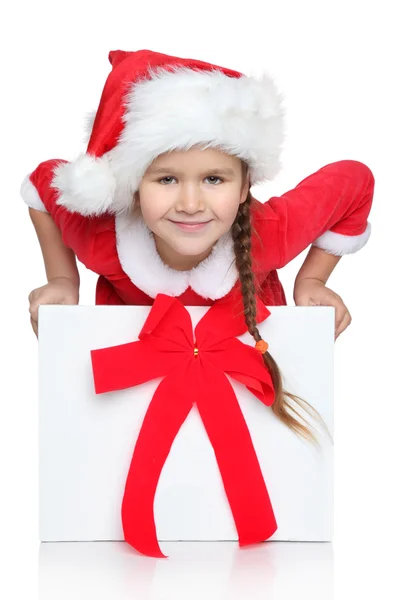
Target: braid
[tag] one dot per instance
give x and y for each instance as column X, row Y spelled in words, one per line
column 241, row 235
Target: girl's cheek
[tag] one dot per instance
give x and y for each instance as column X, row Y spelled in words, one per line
column 155, row 211
column 228, row 211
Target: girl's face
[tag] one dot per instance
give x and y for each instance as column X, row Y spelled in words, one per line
column 183, row 188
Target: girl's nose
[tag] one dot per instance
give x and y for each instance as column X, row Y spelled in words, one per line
column 190, row 200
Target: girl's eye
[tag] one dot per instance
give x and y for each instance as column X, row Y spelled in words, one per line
column 214, row 177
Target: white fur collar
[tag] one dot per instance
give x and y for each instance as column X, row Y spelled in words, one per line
column 213, row 278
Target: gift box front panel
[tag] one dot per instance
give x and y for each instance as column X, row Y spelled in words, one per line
column 86, row 440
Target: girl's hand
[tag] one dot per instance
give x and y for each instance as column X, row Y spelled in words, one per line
column 313, row 292
column 60, row 290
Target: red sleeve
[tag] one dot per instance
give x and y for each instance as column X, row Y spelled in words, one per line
column 91, row 238
column 328, row 209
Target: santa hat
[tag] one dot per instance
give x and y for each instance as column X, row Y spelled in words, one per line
column 153, row 103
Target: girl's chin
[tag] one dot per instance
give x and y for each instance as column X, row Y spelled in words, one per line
column 186, row 244
column 192, row 250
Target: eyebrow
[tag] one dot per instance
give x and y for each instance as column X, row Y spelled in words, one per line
column 215, row 171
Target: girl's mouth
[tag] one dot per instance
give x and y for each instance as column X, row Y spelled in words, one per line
column 185, row 226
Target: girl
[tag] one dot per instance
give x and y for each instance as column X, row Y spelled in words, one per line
column 161, row 201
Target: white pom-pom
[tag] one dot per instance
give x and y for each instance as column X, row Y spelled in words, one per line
column 86, row 186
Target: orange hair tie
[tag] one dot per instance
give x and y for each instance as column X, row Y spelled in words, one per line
column 262, row 346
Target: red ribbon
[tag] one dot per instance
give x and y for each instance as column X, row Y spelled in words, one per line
column 193, row 372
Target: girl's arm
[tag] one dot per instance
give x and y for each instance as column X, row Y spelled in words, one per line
column 60, row 261
column 317, row 265
column 328, row 209
column 66, row 236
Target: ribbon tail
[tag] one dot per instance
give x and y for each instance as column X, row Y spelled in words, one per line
column 236, row 457
column 167, row 412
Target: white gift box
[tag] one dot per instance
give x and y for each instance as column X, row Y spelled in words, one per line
column 86, row 440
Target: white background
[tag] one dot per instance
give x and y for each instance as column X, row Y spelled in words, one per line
column 336, row 63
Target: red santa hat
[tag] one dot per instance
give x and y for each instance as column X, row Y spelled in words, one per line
column 153, row 103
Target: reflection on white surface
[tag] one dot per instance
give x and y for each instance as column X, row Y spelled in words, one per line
column 211, row 570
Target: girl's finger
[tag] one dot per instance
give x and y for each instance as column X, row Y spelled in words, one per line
column 343, row 324
column 33, row 309
column 34, row 326
column 340, row 313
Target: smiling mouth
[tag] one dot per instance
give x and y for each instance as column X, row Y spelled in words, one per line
column 190, row 226
column 190, row 222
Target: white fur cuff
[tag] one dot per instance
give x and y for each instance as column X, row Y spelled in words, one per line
column 339, row 244
column 30, row 195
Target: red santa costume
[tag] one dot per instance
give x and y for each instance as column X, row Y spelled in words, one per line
column 152, row 103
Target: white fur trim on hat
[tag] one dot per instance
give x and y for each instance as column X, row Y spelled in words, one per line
column 213, row 278
column 340, row 244
column 30, row 195
column 88, row 125
column 176, row 110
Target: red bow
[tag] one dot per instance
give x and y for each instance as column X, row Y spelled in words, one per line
column 194, row 373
